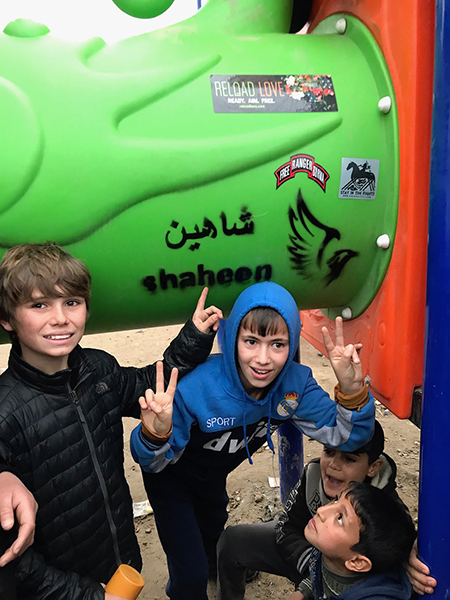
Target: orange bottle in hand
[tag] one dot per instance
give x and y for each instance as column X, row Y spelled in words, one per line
column 126, row 583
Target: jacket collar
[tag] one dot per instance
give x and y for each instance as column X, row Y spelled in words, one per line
column 79, row 368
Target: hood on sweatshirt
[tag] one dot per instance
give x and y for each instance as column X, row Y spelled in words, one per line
column 267, row 294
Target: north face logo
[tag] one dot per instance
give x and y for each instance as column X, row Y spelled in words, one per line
column 101, row 387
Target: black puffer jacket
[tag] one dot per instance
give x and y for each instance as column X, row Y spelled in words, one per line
column 63, row 435
column 7, row 581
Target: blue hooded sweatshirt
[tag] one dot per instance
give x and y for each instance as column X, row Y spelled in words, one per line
column 217, row 425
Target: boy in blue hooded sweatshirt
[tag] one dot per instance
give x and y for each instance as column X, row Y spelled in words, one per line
column 224, row 411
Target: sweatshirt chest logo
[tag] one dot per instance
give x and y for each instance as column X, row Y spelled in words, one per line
column 288, row 405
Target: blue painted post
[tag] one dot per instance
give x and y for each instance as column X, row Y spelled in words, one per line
column 434, row 520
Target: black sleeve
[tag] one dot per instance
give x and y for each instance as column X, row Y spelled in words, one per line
column 37, row 580
column 190, row 348
column 290, row 528
column 7, row 578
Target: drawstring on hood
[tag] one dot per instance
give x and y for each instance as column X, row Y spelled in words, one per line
column 268, row 436
column 267, row 294
column 250, row 460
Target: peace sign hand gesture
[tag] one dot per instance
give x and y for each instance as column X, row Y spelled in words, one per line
column 206, row 319
column 345, row 360
column 157, row 408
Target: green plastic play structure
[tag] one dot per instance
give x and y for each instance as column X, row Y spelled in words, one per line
column 143, row 9
column 220, row 151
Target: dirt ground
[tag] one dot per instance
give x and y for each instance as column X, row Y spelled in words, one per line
column 251, row 497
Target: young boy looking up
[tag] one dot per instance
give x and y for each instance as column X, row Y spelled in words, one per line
column 61, row 410
column 280, row 547
column 225, row 413
column 360, row 541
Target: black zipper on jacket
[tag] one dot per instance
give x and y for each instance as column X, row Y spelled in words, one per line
column 98, row 471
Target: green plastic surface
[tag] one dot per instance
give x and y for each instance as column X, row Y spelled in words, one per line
column 131, row 157
column 143, row 9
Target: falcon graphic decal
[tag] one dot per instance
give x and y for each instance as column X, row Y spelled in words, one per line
column 314, row 246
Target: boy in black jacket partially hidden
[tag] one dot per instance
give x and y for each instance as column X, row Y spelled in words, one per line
column 61, row 410
column 280, row 546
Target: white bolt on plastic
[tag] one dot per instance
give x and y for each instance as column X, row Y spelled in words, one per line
column 341, row 26
column 347, row 313
column 383, row 241
column 385, row 104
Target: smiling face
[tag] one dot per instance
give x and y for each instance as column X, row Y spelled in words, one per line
column 338, row 469
column 334, row 530
column 261, row 358
column 48, row 329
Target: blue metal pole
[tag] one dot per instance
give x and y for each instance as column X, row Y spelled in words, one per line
column 434, row 519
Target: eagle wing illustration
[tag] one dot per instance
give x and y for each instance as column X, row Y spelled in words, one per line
column 309, row 245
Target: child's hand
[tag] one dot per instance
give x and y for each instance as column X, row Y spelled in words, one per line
column 111, row 596
column 344, row 360
column 206, row 319
column 419, row 574
column 16, row 500
column 296, row 596
column 157, row 407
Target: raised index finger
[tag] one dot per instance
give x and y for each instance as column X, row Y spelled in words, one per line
column 202, row 300
column 339, row 332
column 159, row 378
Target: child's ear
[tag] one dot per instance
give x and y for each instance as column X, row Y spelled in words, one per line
column 375, row 467
column 359, row 564
column 6, row 325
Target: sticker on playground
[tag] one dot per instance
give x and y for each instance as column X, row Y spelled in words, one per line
column 302, row 163
column 359, row 178
column 273, row 93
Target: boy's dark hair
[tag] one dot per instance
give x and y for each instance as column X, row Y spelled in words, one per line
column 45, row 267
column 387, row 531
column 375, row 446
column 263, row 320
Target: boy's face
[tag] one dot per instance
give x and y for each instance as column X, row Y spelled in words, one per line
column 261, row 358
column 338, row 469
column 334, row 530
column 48, row 329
